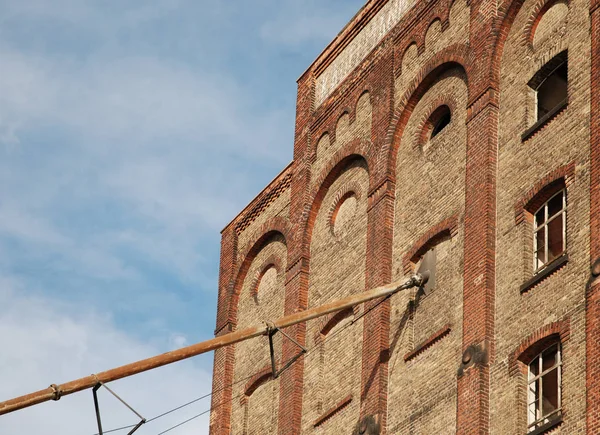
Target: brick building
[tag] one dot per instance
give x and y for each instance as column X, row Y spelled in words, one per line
column 465, row 128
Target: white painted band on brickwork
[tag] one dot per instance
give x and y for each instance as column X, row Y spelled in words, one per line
column 360, row 47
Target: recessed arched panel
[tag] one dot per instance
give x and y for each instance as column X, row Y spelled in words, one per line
column 430, row 189
column 549, row 21
column 364, row 116
column 261, row 299
column 433, row 35
column 337, row 269
column 409, row 63
column 323, row 146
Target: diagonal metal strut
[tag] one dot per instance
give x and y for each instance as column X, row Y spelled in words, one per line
column 271, row 332
column 97, row 408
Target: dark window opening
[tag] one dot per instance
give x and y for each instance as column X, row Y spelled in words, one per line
column 552, row 92
column 441, row 120
column 550, row 87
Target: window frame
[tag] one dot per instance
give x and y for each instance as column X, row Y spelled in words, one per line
column 538, row 118
column 556, row 414
column 544, row 227
column 538, row 79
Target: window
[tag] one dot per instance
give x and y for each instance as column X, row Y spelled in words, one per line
column 442, row 121
column 439, row 119
column 549, row 88
column 552, row 92
column 544, row 388
column 549, row 231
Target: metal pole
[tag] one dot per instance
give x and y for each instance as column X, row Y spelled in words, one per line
column 55, row 392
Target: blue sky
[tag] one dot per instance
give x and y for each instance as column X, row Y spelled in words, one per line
column 131, row 133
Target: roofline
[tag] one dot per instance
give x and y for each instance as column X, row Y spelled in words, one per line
column 345, row 36
column 253, row 200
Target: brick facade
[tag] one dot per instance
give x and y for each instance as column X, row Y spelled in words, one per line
column 370, row 191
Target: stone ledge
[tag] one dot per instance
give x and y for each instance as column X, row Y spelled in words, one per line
column 428, row 343
column 544, row 120
column 545, row 272
column 342, row 404
column 555, row 422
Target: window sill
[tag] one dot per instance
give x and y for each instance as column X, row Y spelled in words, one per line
column 544, row 120
column 345, row 402
column 547, row 427
column 545, row 272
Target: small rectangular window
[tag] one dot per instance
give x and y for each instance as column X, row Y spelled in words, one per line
column 549, row 241
column 544, row 388
column 553, row 91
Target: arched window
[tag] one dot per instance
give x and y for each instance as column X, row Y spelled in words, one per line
column 549, row 230
column 544, row 376
column 439, row 119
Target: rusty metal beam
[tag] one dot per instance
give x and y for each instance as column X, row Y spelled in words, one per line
column 55, row 392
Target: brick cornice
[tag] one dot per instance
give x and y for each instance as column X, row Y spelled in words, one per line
column 489, row 98
column 298, row 266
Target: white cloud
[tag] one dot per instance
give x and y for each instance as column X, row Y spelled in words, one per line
column 46, row 342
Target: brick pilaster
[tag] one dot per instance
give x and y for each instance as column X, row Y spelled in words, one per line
column 220, row 416
column 593, row 292
column 480, row 229
column 223, row 359
column 374, row 378
column 377, row 322
column 296, row 289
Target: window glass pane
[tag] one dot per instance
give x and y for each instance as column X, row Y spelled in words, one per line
column 540, row 217
column 534, row 368
column 549, row 358
column 550, row 392
column 555, row 205
column 540, row 254
column 555, row 237
column 533, row 410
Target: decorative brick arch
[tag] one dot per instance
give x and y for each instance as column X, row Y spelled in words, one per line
column 345, row 111
column 328, row 322
column 256, row 381
column 563, row 174
column 538, row 11
column 400, row 53
column 366, row 90
column 537, row 342
column 328, row 131
column 447, row 228
column 510, row 9
column 355, row 150
column 443, row 26
column 272, row 261
column 274, row 226
column 441, row 100
column 454, row 56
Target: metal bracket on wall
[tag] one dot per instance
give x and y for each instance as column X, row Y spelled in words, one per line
column 97, row 407
column 276, row 373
